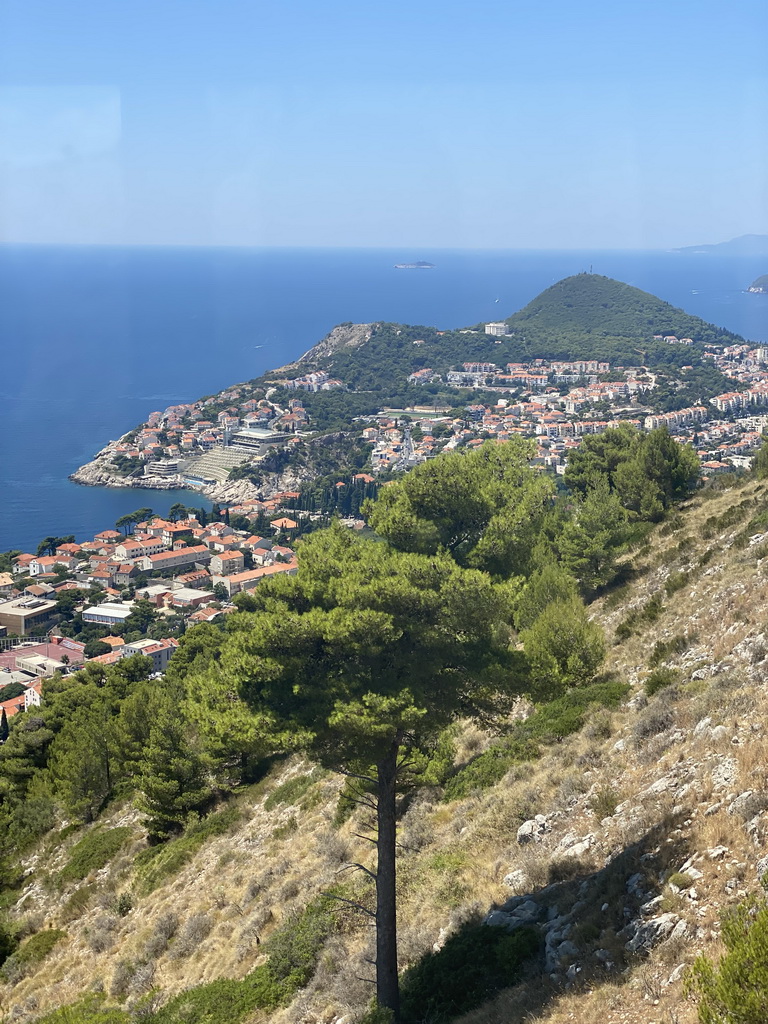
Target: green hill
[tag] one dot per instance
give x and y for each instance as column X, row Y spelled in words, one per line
column 760, row 284
column 582, row 317
column 587, row 307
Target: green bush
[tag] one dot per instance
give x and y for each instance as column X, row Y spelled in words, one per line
column 292, row 791
column 93, row 851
column 674, row 582
column 490, row 767
column 568, row 713
column 681, row 880
column 88, row 1011
column 604, row 803
column 664, row 649
column 294, row 948
column 549, row 722
column 472, row 965
column 30, row 954
column 220, row 1002
column 640, row 617
column 659, row 679
column 735, row 989
column 159, row 863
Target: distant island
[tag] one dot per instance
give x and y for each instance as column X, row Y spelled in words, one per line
column 418, row 265
column 759, row 285
column 744, row 245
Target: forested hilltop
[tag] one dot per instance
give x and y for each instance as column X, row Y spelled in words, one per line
column 586, row 331
column 584, row 317
column 499, row 756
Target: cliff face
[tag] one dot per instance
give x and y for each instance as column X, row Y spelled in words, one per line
column 345, row 336
column 620, row 845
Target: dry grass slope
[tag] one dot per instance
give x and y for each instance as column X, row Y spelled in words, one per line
column 659, row 804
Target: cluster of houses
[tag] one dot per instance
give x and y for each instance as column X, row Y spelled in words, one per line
column 182, row 431
column 537, row 408
column 182, row 568
column 318, row 381
column 536, row 374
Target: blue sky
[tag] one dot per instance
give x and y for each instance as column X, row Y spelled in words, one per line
column 434, row 123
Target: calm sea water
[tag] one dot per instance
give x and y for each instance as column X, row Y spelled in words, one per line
column 92, row 339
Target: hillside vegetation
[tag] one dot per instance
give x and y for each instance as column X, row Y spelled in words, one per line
column 567, row 857
column 581, row 317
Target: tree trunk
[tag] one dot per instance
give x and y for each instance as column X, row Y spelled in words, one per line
column 387, row 987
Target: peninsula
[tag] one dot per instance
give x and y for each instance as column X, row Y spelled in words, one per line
column 760, row 285
column 583, row 355
column 744, row 245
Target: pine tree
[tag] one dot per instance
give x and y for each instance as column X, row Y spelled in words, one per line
column 82, row 761
column 4, row 729
column 172, row 779
column 364, row 656
column 591, row 538
column 563, row 647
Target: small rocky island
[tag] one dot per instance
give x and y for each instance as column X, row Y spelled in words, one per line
column 418, row 265
column 760, row 285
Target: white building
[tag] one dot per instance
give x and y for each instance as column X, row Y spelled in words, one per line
column 497, row 330
column 108, row 614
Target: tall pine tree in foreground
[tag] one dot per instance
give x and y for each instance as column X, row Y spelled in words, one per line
column 364, row 657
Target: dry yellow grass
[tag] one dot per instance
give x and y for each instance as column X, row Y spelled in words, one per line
column 455, row 857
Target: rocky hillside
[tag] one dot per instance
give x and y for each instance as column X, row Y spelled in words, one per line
column 607, row 848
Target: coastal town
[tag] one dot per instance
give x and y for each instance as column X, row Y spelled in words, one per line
column 555, row 402
column 128, row 593
column 135, row 591
column 559, row 403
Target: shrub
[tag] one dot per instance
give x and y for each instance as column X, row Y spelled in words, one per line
column 490, row 767
column 76, row 904
column 659, row 679
column 121, row 978
column 656, row 719
column 30, row 954
column 604, row 802
column 88, row 1011
column 165, row 928
column 287, row 829
column 472, row 965
column 292, row 791
column 159, row 863
column 563, row 647
column 220, row 1002
column 548, row 723
column 642, row 616
column 568, row 713
column 101, row 936
column 664, row 649
column 123, row 904
column 93, row 851
column 736, row 987
column 197, row 928
column 680, row 880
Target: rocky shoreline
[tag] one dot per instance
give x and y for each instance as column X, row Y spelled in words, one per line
column 96, row 474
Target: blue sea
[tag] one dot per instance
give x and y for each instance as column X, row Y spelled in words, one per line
column 94, row 339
